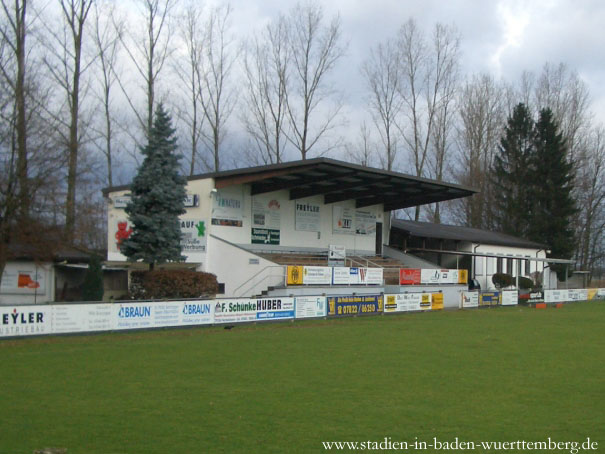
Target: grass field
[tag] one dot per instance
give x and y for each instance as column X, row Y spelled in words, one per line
column 480, row 375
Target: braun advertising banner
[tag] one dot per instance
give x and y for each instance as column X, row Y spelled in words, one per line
column 354, row 305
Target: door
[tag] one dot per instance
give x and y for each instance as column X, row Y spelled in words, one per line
column 379, row 238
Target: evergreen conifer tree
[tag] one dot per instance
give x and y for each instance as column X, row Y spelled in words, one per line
column 157, row 199
column 554, row 205
column 92, row 287
column 511, row 174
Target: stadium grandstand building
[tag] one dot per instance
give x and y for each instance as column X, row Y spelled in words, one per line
column 252, row 226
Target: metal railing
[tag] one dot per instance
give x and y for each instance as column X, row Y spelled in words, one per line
column 262, row 276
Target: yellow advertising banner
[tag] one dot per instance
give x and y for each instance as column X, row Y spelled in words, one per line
column 425, row 303
column 437, row 299
column 295, row 275
column 592, row 293
column 462, row 276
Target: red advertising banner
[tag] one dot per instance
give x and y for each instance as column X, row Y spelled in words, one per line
column 409, row 276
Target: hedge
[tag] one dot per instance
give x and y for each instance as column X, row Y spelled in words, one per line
column 165, row 284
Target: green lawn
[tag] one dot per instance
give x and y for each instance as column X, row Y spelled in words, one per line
column 480, row 375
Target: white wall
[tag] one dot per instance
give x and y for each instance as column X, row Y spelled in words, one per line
column 241, row 235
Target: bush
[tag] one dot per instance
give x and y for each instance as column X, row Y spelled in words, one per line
column 166, row 284
column 502, row 280
column 525, row 283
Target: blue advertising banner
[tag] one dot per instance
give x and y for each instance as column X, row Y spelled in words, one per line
column 489, row 299
column 355, row 305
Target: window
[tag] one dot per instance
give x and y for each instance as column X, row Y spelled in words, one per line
column 527, row 268
column 499, row 265
column 509, row 267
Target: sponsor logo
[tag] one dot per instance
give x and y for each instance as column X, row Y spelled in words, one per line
column 196, row 309
column 134, row 312
column 22, row 318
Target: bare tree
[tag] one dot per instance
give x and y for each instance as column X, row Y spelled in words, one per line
column 364, row 150
column 148, row 50
column 315, row 49
column 382, row 75
column 189, row 70
column 427, row 73
column 217, row 98
column 482, row 116
column 65, row 64
column 108, row 30
column 266, row 70
column 14, row 33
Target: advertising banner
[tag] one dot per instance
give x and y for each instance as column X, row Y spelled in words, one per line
column 306, row 217
column 365, row 223
column 24, row 278
column 470, row 299
column 250, row 310
column 341, row 275
column 132, row 316
column 264, row 236
column 425, row 302
column 403, row 302
column 536, row 297
column 25, row 320
column 409, row 276
column 193, row 235
column 462, row 276
column 366, row 276
column 489, row 299
column 342, row 220
column 266, row 213
column 437, row 301
column 556, row 296
column 317, row 275
column 510, row 298
column 337, row 255
column 601, row 293
column 228, row 207
column 196, row 312
column 310, row 306
column 354, row 305
column 295, row 275
column 81, row 318
column 591, row 293
column 428, row 276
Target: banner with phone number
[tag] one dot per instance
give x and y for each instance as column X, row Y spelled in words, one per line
column 355, row 305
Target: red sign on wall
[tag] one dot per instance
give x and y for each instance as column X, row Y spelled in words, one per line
column 409, row 276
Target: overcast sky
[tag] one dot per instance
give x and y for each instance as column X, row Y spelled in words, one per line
column 503, row 37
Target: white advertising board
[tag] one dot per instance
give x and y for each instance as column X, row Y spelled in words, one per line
column 132, row 316
column 25, row 278
column 510, row 298
column 193, row 235
column 430, row 276
column 601, row 293
column 307, row 216
column 371, row 276
column 556, row 296
column 470, row 299
column 81, row 318
column 403, row 302
column 228, row 207
column 342, row 220
column 317, row 275
column 310, row 306
column 365, row 223
column 25, row 320
column 341, row 275
column 266, row 212
column 250, row 310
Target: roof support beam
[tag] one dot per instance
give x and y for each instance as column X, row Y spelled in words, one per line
column 272, row 185
column 331, row 188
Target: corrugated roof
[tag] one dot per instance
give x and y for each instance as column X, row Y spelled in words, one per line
column 460, row 233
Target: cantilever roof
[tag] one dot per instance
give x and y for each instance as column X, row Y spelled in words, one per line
column 337, row 181
column 459, row 233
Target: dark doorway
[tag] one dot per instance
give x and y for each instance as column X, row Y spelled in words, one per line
column 379, row 238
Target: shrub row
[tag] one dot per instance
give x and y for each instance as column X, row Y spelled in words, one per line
column 164, row 284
